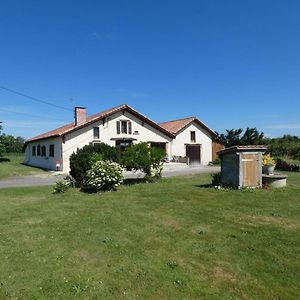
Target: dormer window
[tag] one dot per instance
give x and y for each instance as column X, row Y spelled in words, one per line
column 124, row 127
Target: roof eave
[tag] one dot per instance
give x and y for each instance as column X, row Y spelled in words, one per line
column 42, row 138
column 96, row 119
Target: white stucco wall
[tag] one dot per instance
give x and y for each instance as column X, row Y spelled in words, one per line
column 108, row 134
column 178, row 147
column 46, row 162
column 141, row 132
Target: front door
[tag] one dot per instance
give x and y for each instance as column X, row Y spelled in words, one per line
column 193, row 152
column 250, row 170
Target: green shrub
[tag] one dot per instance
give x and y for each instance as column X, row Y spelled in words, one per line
column 216, row 162
column 141, row 157
column 282, row 165
column 84, row 158
column 61, row 187
column 216, row 179
column 287, row 145
column 103, row 176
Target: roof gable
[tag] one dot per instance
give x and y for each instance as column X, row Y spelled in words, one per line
column 176, row 126
column 94, row 118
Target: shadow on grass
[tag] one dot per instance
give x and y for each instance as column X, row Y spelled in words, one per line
column 35, row 167
column 206, row 185
column 128, row 181
column 132, row 181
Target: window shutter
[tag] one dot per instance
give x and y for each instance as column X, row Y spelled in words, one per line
column 129, row 127
column 118, row 127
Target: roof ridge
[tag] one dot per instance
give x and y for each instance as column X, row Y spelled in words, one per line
column 181, row 119
column 106, row 110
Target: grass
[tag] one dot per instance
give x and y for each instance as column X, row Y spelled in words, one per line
column 175, row 239
column 16, row 168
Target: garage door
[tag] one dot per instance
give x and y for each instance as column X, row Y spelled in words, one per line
column 193, row 152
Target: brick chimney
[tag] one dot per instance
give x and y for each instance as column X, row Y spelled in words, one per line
column 80, row 115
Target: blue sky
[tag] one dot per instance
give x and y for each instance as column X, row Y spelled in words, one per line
column 231, row 63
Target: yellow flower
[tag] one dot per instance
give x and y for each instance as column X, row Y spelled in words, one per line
column 267, row 160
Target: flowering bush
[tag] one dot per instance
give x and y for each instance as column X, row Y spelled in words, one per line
column 268, row 160
column 103, row 176
column 83, row 159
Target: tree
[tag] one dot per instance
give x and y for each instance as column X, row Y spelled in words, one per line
column 9, row 143
column 233, row 137
column 287, row 146
column 141, row 157
column 252, row 137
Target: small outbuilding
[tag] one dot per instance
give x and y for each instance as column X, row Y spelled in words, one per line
column 241, row 166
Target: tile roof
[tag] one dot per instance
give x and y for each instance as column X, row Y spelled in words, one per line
column 91, row 119
column 176, row 126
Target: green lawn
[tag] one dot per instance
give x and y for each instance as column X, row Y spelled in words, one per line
column 176, row 239
column 16, row 168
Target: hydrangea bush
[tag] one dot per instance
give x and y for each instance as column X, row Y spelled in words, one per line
column 103, row 176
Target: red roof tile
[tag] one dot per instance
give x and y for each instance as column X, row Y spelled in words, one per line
column 177, row 125
column 91, row 119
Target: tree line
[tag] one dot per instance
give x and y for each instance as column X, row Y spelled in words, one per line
column 285, row 146
column 10, row 144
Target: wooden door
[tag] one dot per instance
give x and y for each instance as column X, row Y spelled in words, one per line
column 193, row 152
column 251, row 173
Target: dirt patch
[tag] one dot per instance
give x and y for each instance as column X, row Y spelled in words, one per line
column 83, row 255
column 220, row 275
column 167, row 222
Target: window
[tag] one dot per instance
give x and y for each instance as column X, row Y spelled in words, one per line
column 44, row 151
column 96, row 133
column 193, row 136
column 33, row 151
column 129, row 127
column 38, row 152
column 124, row 127
column 51, row 150
column 118, row 127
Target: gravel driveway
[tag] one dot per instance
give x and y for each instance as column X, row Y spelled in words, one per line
column 50, row 178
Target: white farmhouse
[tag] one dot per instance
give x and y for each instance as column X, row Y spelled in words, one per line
column 119, row 126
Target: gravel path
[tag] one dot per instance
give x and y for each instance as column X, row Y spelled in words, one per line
column 50, row 178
